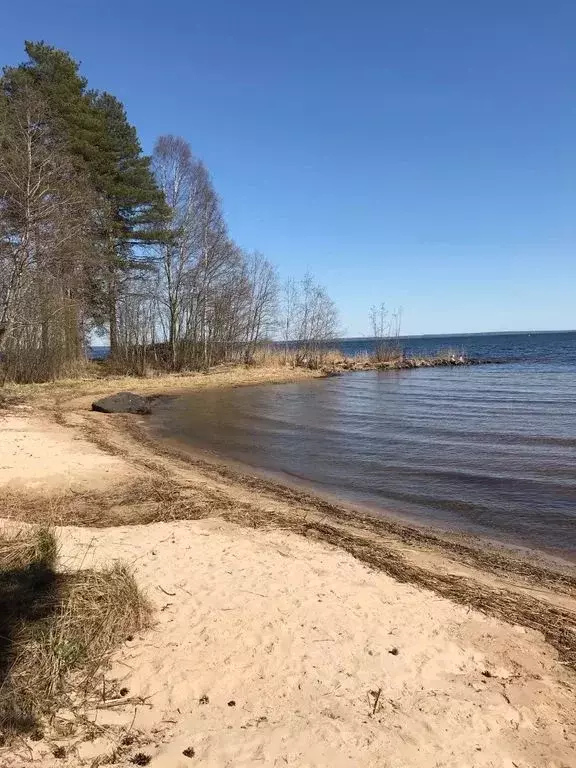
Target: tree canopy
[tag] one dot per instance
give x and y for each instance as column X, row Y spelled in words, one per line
column 96, row 234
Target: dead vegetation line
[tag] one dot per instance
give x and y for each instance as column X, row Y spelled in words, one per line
column 557, row 625
column 365, row 538
column 165, row 496
column 486, row 558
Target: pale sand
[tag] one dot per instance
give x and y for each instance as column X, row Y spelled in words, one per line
column 299, row 634
column 36, row 454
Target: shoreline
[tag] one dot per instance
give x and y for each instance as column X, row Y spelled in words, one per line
column 236, row 442
column 485, row 553
column 127, row 437
column 359, row 509
column 113, row 490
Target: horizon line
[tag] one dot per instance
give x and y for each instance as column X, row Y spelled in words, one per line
column 459, row 333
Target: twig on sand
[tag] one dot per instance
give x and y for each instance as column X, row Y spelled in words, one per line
column 133, row 719
column 170, row 594
column 137, row 700
column 24, row 744
column 376, row 700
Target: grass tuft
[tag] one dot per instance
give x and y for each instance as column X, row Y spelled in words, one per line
column 57, row 630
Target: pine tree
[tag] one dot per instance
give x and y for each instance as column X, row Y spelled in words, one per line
column 102, row 143
column 123, row 174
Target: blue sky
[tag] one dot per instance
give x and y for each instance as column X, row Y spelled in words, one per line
column 414, row 152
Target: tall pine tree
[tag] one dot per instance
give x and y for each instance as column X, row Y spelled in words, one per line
column 101, row 143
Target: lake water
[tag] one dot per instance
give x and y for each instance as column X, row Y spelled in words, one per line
column 483, row 449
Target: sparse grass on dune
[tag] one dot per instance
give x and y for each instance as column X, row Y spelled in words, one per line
column 57, row 630
column 22, row 551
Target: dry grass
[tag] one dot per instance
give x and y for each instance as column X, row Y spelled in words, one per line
column 22, row 551
column 57, row 630
column 141, row 502
column 377, row 542
column 326, row 359
column 9, row 398
column 277, row 357
column 386, row 352
column 59, row 392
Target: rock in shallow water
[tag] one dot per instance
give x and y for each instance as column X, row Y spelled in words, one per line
column 122, row 402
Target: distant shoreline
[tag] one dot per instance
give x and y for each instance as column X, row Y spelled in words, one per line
column 459, row 335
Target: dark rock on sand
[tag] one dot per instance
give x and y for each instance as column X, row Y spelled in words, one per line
column 122, row 402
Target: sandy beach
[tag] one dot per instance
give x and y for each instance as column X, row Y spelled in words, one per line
column 287, row 630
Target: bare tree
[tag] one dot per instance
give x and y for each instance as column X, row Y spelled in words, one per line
column 216, row 252
column 45, row 225
column 177, row 173
column 262, row 301
column 379, row 321
column 317, row 318
column 212, row 297
column 288, row 317
column 309, row 320
column 386, row 331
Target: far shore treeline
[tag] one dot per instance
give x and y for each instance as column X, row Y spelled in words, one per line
column 98, row 239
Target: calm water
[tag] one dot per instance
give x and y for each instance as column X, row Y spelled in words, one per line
column 488, row 449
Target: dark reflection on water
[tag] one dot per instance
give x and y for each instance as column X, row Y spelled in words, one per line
column 486, row 449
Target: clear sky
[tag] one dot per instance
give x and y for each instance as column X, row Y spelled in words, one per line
column 414, row 152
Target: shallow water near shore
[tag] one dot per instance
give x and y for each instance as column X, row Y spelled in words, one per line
column 488, row 450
